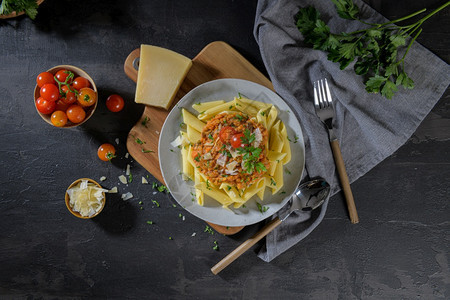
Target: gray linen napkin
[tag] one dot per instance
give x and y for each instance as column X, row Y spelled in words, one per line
column 368, row 126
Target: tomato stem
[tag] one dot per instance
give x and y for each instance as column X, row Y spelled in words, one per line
column 66, row 83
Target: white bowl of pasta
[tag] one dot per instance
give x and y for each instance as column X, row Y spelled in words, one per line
column 231, row 152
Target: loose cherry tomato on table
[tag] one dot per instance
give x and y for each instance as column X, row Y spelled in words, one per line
column 69, row 96
column 49, row 92
column 62, row 75
column 115, row 103
column 59, row 118
column 76, row 113
column 236, row 140
column 45, row 106
column 44, row 78
column 226, row 133
column 80, row 82
column 106, row 152
column 87, row 97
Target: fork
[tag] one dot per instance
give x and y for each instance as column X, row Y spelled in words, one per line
column 323, row 104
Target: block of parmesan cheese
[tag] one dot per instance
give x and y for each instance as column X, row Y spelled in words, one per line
column 161, row 72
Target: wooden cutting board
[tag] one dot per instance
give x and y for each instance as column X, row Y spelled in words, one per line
column 217, row 60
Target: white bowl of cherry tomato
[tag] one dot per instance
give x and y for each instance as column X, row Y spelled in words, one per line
column 65, row 96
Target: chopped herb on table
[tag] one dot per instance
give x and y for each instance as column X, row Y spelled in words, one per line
column 209, row 230
column 150, row 222
column 156, row 203
column 375, row 48
column 161, row 188
column 216, row 246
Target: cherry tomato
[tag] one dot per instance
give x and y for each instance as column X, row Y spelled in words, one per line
column 59, row 118
column 87, row 97
column 62, row 75
column 69, row 97
column 80, row 82
column 115, row 103
column 49, row 92
column 44, row 106
column 225, row 133
column 75, row 113
column 106, row 152
column 45, row 77
column 61, row 105
column 236, row 141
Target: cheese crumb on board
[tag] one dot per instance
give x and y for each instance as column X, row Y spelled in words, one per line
column 161, row 72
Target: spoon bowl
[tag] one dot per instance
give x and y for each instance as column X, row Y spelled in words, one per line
column 312, row 194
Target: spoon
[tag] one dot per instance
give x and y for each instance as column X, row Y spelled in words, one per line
column 308, row 196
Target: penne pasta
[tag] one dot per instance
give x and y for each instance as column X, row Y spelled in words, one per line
column 214, row 193
column 286, row 146
column 257, row 104
column 271, row 117
column 188, row 168
column 213, row 111
column 198, row 192
column 192, row 134
column 276, row 182
column 201, row 107
column 191, row 120
column 245, row 107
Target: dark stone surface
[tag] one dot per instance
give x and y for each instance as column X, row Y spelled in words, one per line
column 400, row 250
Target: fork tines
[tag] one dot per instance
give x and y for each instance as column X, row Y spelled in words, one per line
column 322, row 95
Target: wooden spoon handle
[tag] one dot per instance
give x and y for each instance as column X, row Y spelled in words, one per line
column 344, row 182
column 245, row 246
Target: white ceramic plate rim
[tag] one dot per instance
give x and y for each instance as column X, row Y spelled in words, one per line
column 170, row 157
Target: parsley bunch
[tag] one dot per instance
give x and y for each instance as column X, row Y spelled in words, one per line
column 376, row 49
column 250, row 154
column 10, row 6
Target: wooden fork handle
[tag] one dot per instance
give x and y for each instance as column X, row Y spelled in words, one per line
column 344, row 182
column 245, row 246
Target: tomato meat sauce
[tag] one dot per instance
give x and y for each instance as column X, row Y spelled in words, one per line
column 232, row 150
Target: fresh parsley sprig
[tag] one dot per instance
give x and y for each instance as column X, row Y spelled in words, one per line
column 250, row 154
column 376, row 48
column 28, row 6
